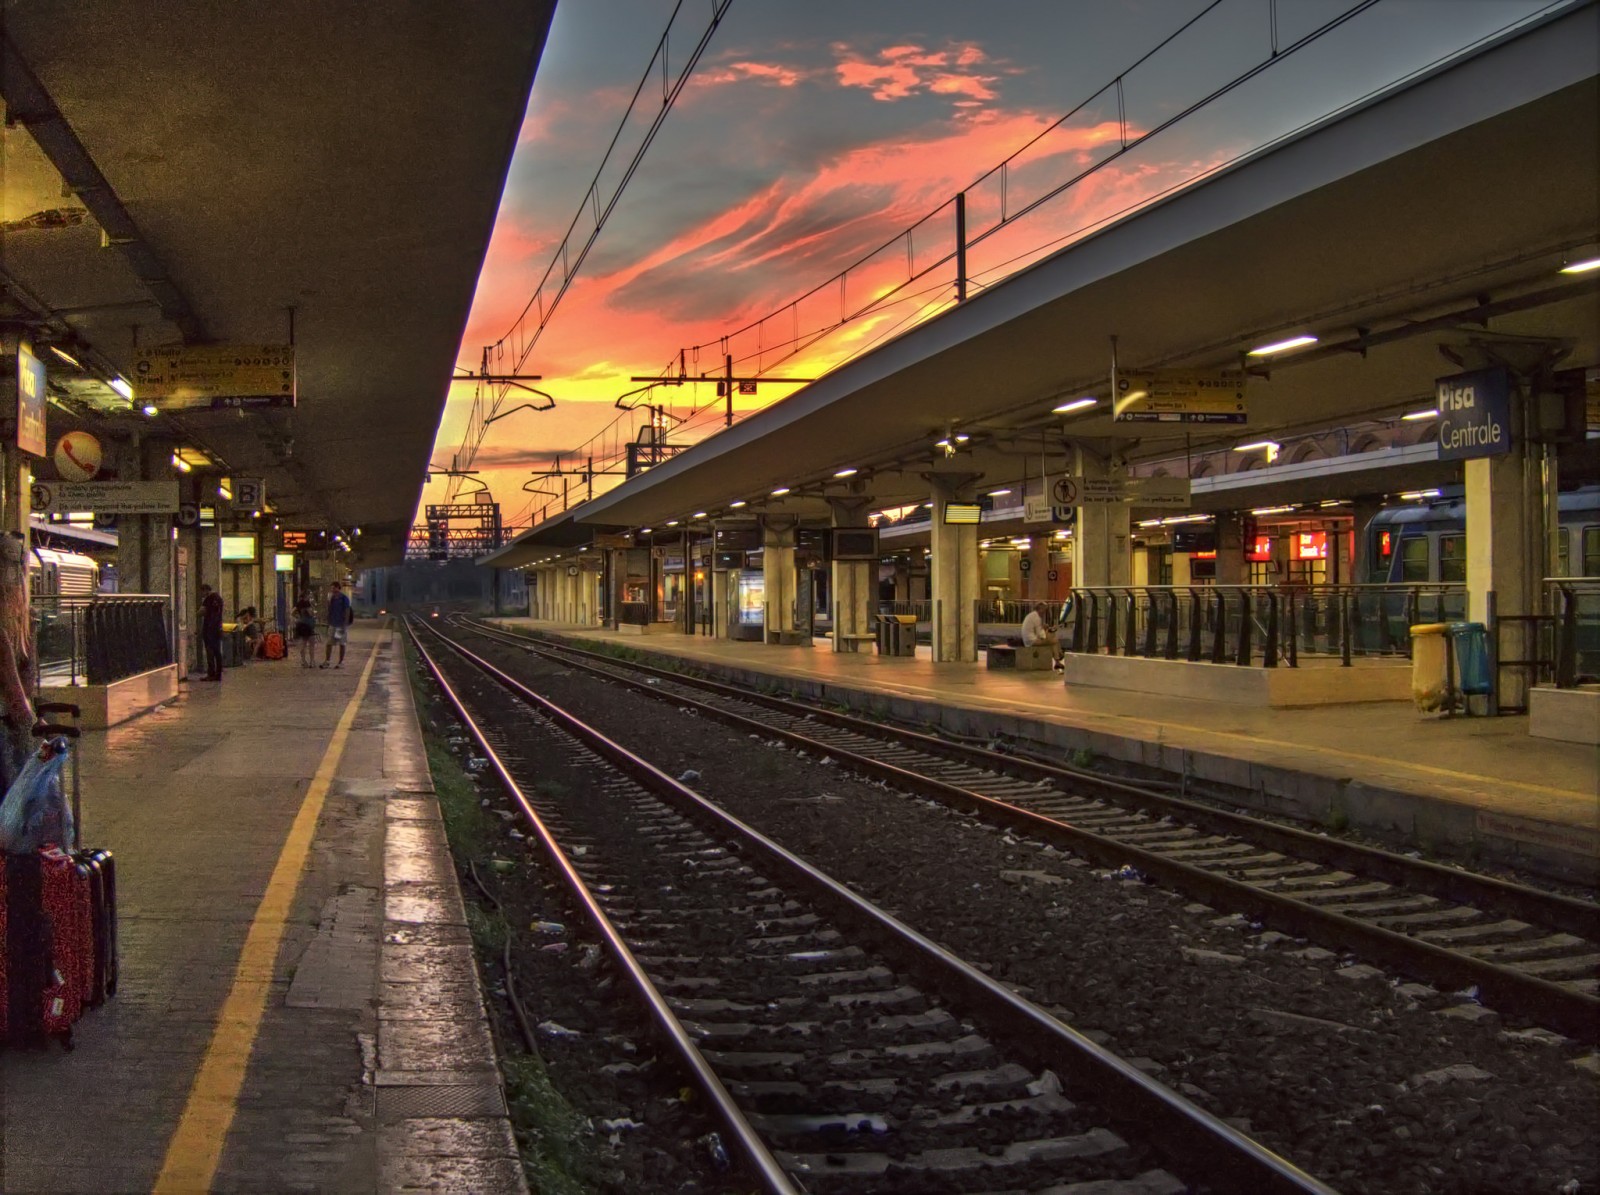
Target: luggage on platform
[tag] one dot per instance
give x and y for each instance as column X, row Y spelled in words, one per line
column 273, row 647
column 58, row 928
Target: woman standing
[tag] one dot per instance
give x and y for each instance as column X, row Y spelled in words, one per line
column 305, row 631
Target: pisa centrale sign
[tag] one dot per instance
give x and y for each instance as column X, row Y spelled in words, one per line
column 1474, row 414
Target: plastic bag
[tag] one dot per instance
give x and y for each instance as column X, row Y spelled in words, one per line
column 35, row 811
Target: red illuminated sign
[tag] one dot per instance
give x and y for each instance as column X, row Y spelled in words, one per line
column 1259, row 549
column 1202, row 556
column 1311, row 545
column 1384, row 546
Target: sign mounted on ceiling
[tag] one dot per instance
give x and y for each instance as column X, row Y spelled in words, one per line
column 106, row 497
column 1180, row 396
column 1066, row 492
column 30, row 403
column 218, row 376
column 249, row 493
column 1474, row 414
column 1038, row 508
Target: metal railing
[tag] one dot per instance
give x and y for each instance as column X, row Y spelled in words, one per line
column 633, row 614
column 1574, row 606
column 1257, row 625
column 101, row 639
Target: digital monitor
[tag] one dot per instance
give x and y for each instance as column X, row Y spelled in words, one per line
column 962, row 514
column 1311, row 545
column 855, row 543
column 1259, row 550
column 283, row 562
column 729, row 560
column 239, row 549
column 738, row 539
column 1194, row 541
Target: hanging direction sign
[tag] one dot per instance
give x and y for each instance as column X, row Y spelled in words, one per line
column 106, row 497
column 1039, row 509
column 218, row 376
column 1180, row 396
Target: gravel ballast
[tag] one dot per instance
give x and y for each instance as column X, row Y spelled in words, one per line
column 1369, row 1082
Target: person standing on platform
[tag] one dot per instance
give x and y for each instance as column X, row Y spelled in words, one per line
column 340, row 615
column 305, row 631
column 211, row 631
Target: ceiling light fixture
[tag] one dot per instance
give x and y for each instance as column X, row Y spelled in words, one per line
column 1269, row 445
column 1416, row 416
column 738, row 504
column 1418, row 495
column 998, row 493
column 846, row 472
column 780, row 491
column 1077, row 404
column 1272, row 510
column 699, row 514
column 67, row 357
column 122, row 388
column 150, row 411
column 1582, row 267
column 1281, row 346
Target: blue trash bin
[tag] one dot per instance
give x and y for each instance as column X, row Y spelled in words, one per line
column 1471, row 643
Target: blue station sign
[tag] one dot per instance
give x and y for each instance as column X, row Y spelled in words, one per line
column 1474, row 414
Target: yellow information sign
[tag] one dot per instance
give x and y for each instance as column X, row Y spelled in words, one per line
column 1180, row 396
column 214, row 375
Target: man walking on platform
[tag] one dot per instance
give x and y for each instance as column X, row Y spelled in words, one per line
column 211, row 631
column 340, row 615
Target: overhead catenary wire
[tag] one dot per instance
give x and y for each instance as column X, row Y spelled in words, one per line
column 488, row 396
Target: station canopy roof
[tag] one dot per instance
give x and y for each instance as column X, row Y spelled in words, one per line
column 195, row 171
column 1436, row 213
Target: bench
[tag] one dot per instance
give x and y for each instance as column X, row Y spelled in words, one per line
column 852, row 640
column 1032, row 658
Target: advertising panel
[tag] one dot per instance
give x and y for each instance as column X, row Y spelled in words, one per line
column 30, row 403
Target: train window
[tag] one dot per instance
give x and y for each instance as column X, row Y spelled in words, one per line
column 1591, row 551
column 1563, row 552
column 1453, row 558
column 1414, row 558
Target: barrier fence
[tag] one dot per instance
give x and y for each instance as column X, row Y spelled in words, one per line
column 1574, row 607
column 1262, row 625
column 101, row 639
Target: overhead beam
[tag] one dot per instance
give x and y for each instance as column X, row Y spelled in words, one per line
column 30, row 105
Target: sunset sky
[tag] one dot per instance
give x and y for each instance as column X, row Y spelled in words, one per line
column 812, row 133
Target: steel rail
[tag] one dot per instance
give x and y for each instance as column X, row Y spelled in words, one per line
column 1553, row 910
column 1573, row 1013
column 1191, row 1136
column 746, row 1141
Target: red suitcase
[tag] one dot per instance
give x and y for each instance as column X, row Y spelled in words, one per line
column 49, row 945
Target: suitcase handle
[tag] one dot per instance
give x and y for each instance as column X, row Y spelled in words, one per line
column 45, row 729
column 59, row 707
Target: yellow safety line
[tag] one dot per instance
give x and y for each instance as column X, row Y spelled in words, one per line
column 196, row 1145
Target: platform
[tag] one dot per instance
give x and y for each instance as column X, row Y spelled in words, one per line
column 298, row 1007
column 1479, row 788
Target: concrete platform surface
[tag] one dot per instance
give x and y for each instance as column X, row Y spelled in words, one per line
column 1474, row 785
column 279, row 859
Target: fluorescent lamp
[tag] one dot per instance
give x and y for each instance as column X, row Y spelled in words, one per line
column 224, row 493
column 998, row 493
column 122, row 388
column 845, row 473
column 150, row 411
column 1150, row 522
column 180, row 464
column 67, row 357
column 1417, row 416
column 1272, row 510
column 646, row 530
column 1582, row 267
column 1269, row 445
column 941, row 443
column 1331, row 502
column 1418, row 495
column 738, row 504
column 672, row 522
column 780, row 491
column 961, row 437
column 1281, row 346
column 699, row 514
column 1077, row 404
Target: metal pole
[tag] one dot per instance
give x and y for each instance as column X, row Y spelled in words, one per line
column 961, row 247
column 727, row 367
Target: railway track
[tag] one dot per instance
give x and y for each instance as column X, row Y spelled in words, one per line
column 1529, row 953
column 840, row 1050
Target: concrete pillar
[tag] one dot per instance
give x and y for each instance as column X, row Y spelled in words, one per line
column 1101, row 545
column 1506, row 544
column 854, row 587
column 956, row 581
column 777, row 574
column 723, row 583
column 1036, row 585
column 1230, row 549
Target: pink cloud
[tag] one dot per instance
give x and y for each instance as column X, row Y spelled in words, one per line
column 759, row 72
column 899, row 72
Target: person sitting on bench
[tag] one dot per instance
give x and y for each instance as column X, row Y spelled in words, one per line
column 1036, row 633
